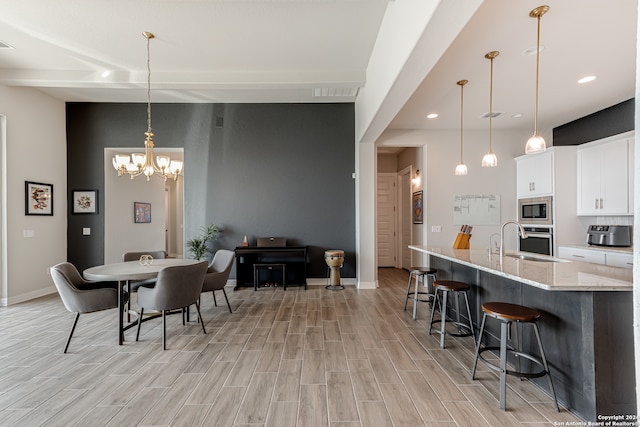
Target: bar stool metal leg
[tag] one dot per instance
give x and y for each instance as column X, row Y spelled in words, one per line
column 443, row 317
column 415, row 294
column 475, row 359
column 546, row 367
column 504, row 327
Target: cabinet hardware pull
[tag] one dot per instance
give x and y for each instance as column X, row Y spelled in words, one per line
column 596, row 203
column 578, row 256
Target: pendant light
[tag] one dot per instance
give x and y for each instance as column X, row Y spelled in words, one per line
column 536, row 143
column 461, row 169
column 490, row 160
column 145, row 163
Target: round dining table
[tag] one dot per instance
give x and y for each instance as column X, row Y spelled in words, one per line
column 123, row 272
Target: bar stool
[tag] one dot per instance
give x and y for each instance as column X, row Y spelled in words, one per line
column 420, row 274
column 457, row 289
column 507, row 314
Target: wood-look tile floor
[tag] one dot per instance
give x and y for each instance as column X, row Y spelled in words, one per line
column 283, row 358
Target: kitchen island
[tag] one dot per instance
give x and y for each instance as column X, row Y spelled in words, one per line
column 586, row 324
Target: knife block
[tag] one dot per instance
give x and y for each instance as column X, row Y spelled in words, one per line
column 462, row 241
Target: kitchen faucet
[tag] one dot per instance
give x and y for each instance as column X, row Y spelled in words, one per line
column 523, row 234
column 491, row 241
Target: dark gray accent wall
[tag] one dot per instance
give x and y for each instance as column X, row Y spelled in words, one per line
column 253, row 169
column 611, row 121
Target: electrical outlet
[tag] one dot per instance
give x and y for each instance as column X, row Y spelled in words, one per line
column 436, row 229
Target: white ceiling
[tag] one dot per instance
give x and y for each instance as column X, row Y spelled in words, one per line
column 280, row 50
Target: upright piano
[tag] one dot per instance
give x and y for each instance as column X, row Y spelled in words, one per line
column 293, row 257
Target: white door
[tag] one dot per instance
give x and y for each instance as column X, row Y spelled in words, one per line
column 386, row 220
column 405, row 218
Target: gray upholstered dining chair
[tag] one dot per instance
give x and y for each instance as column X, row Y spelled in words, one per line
column 81, row 296
column 218, row 274
column 176, row 287
column 133, row 285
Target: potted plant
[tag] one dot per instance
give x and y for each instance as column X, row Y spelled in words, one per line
column 198, row 245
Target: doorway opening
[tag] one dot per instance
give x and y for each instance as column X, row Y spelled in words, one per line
column 164, row 231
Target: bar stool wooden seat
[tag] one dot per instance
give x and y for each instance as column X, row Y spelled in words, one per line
column 508, row 313
column 420, row 274
column 445, row 287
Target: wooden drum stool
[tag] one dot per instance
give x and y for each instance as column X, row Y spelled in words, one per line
column 507, row 314
column 419, row 274
column 457, row 289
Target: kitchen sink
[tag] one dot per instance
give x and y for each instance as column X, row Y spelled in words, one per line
column 536, row 258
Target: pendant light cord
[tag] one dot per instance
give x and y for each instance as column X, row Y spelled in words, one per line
column 491, row 104
column 537, row 78
column 461, row 113
column 148, row 37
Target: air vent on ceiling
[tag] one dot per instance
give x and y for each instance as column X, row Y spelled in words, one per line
column 493, row 115
column 326, row 92
column 4, row 45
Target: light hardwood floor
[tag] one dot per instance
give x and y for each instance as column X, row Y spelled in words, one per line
column 283, row 358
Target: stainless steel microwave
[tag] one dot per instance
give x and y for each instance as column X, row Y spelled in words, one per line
column 536, row 210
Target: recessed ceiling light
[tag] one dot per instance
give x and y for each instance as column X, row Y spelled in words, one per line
column 516, row 115
column 105, row 74
column 532, row 50
column 432, row 115
column 587, row 79
column 493, row 114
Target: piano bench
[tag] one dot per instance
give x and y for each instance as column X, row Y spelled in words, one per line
column 269, row 267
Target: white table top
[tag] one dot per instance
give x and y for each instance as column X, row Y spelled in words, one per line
column 132, row 270
column 551, row 276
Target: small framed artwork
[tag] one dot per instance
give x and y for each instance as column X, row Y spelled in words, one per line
column 141, row 212
column 38, row 198
column 417, row 207
column 85, row 201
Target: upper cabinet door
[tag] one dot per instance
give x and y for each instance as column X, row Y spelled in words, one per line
column 535, row 175
column 604, row 177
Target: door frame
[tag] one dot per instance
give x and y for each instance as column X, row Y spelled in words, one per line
column 400, row 216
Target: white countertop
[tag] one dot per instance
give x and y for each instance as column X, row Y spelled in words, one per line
column 552, row 276
column 619, row 250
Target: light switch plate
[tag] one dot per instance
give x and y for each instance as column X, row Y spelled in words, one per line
column 436, row 229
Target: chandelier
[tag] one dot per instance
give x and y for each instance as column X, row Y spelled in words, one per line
column 138, row 164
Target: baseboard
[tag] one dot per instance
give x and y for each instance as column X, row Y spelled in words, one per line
column 4, row 302
column 368, row 285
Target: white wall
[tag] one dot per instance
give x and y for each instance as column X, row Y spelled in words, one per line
column 35, row 151
column 440, row 184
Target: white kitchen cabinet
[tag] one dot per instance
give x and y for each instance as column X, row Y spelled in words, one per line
column 604, row 176
column 619, row 260
column 579, row 254
column 597, row 256
column 535, row 175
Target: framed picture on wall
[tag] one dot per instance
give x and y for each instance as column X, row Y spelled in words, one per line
column 85, row 201
column 417, row 207
column 141, row 212
column 38, row 198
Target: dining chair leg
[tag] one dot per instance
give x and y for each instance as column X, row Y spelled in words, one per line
column 225, row 297
column 164, row 329
column 139, row 323
column 200, row 317
column 214, row 298
column 73, row 328
column 127, row 307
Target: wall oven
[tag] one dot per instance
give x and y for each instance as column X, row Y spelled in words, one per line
column 539, row 240
column 536, row 210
